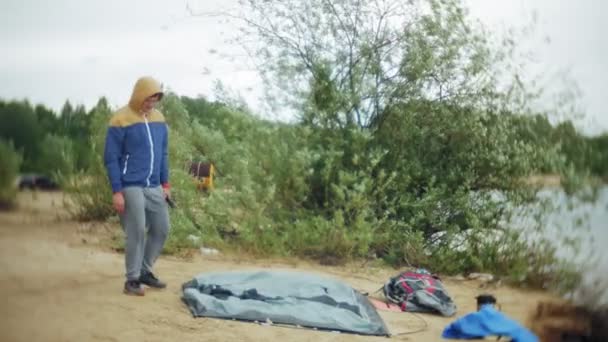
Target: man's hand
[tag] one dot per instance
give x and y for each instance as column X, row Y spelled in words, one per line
column 118, row 202
column 167, row 192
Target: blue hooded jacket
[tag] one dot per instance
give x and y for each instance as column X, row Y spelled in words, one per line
column 487, row 322
column 135, row 152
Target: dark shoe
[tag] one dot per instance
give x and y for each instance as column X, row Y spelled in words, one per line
column 148, row 278
column 133, row 288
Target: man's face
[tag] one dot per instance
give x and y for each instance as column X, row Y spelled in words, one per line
column 149, row 103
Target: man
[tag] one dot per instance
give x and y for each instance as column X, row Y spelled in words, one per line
column 135, row 157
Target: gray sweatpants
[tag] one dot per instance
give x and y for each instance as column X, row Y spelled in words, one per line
column 145, row 211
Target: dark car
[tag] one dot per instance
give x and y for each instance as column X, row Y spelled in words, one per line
column 36, row 181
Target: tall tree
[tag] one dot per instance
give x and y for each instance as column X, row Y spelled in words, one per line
column 19, row 124
column 347, row 61
column 48, row 119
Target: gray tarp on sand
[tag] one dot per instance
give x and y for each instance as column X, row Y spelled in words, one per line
column 283, row 297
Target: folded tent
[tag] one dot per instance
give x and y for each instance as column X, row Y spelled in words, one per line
column 283, row 297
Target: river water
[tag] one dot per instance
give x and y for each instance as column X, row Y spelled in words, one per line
column 585, row 222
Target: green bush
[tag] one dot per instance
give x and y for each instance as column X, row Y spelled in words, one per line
column 56, row 157
column 89, row 192
column 10, row 161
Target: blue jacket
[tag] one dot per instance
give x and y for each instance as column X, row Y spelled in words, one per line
column 487, row 322
column 135, row 151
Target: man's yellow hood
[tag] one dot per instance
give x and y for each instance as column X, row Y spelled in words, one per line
column 144, row 88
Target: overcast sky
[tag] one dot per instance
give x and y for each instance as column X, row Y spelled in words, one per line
column 81, row 50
